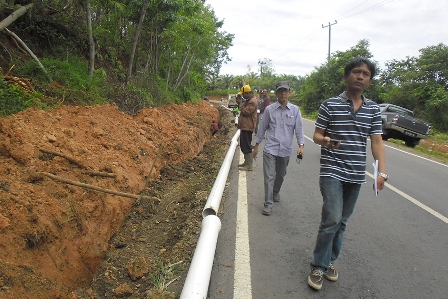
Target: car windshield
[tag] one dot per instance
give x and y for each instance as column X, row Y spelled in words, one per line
column 397, row 109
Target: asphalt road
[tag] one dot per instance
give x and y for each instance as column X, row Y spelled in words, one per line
column 395, row 245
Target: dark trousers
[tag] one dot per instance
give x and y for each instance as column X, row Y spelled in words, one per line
column 245, row 141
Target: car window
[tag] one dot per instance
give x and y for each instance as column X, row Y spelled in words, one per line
column 400, row 110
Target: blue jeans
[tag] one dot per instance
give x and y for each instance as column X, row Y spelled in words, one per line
column 274, row 171
column 339, row 202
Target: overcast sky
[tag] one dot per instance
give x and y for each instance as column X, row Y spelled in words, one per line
column 290, row 33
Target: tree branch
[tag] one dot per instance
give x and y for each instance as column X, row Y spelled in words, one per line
column 79, row 184
column 14, row 16
column 29, row 51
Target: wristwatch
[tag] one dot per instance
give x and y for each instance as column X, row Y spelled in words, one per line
column 383, row 175
column 302, row 144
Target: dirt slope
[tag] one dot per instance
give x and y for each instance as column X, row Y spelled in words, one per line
column 54, row 236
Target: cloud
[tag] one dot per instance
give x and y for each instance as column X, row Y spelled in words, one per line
column 290, row 33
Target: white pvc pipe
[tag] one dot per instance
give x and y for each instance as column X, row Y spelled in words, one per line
column 214, row 198
column 198, row 277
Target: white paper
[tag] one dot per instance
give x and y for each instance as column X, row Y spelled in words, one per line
column 375, row 176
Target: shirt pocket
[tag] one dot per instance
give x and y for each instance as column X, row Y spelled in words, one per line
column 290, row 121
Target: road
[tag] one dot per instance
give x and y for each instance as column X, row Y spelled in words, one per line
column 395, row 244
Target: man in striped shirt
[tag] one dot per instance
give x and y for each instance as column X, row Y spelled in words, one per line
column 343, row 124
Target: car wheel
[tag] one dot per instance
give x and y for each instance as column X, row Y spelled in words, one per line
column 410, row 143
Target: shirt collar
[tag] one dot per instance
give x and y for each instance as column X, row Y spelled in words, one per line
column 278, row 105
column 344, row 98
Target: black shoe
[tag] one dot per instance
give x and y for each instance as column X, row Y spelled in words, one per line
column 267, row 211
column 276, row 197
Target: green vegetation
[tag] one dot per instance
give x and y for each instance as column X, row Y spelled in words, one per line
column 416, row 83
column 433, row 146
column 164, row 275
column 151, row 53
column 419, row 84
column 13, row 99
column 132, row 53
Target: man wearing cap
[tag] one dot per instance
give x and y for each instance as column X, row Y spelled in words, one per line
column 282, row 120
column 246, row 123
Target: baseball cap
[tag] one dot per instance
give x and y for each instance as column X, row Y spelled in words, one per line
column 245, row 88
column 282, row 84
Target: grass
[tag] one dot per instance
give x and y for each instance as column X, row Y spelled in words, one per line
column 165, row 275
column 435, row 146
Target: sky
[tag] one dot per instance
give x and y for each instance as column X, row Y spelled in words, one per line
column 290, row 32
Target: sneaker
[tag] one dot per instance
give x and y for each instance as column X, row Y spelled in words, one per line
column 276, row 197
column 267, row 211
column 332, row 274
column 315, row 279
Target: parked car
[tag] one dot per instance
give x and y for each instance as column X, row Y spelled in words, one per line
column 400, row 123
column 231, row 103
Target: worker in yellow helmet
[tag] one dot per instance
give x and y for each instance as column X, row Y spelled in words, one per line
column 247, row 123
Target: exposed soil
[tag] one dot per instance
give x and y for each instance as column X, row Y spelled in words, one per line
column 60, row 239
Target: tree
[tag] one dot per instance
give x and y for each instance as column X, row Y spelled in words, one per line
column 225, row 81
column 137, row 36
column 327, row 80
column 14, row 16
column 420, row 84
column 91, row 40
column 266, row 70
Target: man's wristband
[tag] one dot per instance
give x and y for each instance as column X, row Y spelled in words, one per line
column 302, row 144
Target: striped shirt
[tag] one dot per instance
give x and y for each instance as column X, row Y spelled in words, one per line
column 337, row 116
column 280, row 125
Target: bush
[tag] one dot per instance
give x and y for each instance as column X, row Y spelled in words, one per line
column 13, row 99
column 71, row 82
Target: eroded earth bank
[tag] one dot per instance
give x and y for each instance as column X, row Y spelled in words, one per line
column 59, row 238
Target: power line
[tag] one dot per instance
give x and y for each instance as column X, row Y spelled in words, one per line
column 351, row 9
column 306, row 41
column 384, row 2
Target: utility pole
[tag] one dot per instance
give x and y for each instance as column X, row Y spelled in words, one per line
column 329, row 36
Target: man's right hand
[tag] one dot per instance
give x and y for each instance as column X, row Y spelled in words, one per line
column 255, row 151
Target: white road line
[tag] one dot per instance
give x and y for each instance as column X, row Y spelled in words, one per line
column 242, row 275
column 408, row 197
column 414, row 201
column 397, row 149
column 400, row 150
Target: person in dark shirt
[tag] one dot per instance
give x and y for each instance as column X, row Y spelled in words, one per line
column 263, row 101
column 343, row 124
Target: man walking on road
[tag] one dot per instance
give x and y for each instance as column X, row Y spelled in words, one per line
column 343, row 124
column 246, row 123
column 282, row 120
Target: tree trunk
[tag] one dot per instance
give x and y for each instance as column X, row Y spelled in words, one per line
column 137, row 35
column 14, row 16
column 91, row 40
column 29, row 52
